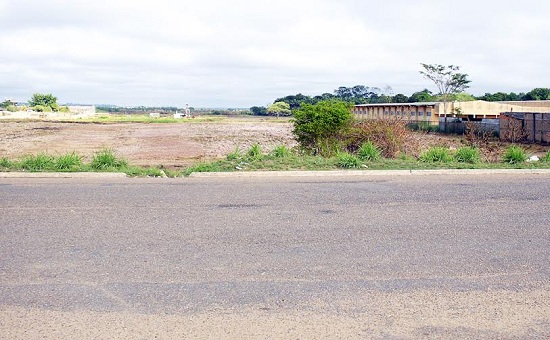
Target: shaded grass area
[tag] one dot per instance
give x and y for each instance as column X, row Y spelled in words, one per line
column 281, row 158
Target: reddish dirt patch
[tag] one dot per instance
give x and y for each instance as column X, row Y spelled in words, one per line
column 170, row 145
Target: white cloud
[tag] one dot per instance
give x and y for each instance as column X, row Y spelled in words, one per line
column 244, row 53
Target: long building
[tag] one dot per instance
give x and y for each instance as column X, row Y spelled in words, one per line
column 431, row 112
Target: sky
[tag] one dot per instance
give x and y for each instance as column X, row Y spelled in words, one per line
column 241, row 53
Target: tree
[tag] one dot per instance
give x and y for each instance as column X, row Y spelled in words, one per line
column 318, row 125
column 422, row 96
column 279, row 108
column 259, row 110
column 400, row 98
column 448, row 81
column 538, row 94
column 45, row 100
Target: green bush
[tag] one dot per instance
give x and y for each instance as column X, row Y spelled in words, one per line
column 38, row 162
column 436, row 154
column 514, row 154
column 70, row 161
column 316, row 126
column 369, row 152
column 106, row 159
column 281, row 151
column 467, row 154
column 348, row 161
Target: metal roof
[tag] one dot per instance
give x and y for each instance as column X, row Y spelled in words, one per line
column 400, row 104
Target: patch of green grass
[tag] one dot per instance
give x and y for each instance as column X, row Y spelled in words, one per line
column 369, row 152
column 254, row 152
column 67, row 162
column 348, row 161
column 281, row 151
column 546, row 157
column 467, row 154
column 236, row 154
column 514, row 155
column 107, row 160
column 436, row 154
column 216, row 166
column 38, row 162
column 5, row 163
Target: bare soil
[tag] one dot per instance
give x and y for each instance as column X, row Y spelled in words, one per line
column 179, row 145
column 171, row 145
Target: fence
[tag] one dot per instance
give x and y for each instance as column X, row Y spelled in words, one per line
column 531, row 127
column 459, row 127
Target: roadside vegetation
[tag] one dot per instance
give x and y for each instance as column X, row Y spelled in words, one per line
column 329, row 138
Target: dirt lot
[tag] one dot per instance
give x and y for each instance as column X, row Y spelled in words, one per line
column 182, row 144
column 172, row 145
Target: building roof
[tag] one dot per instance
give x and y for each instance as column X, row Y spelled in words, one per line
column 400, row 104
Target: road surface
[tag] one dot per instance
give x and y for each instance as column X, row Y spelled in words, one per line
column 357, row 257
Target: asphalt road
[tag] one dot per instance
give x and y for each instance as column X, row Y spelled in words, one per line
column 419, row 256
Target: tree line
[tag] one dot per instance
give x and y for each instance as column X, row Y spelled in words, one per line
column 361, row 94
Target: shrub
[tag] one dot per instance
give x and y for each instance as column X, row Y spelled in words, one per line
column 389, row 135
column 68, row 161
column 281, row 151
column 514, row 154
column 348, row 161
column 467, row 154
column 106, row 159
column 436, row 154
column 38, row 163
column 369, row 152
column 254, row 152
column 316, row 126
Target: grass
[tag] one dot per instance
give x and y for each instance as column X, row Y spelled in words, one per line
column 514, row 155
column 369, row 152
column 281, row 151
column 68, row 162
column 281, row 158
column 38, row 162
column 107, row 160
column 436, row 154
column 467, row 154
column 348, row 161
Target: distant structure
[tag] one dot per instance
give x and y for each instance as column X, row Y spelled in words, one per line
column 432, row 112
column 186, row 112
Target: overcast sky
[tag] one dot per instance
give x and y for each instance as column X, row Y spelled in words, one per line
column 240, row 53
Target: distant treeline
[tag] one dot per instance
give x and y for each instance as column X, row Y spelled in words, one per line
column 361, row 94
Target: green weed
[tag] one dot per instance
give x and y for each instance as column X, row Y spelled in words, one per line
column 436, row 154
column 106, row 159
column 281, row 151
column 514, row 154
column 467, row 154
column 5, row 162
column 70, row 161
column 254, row 152
column 348, row 161
column 369, row 152
column 235, row 155
column 38, row 162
